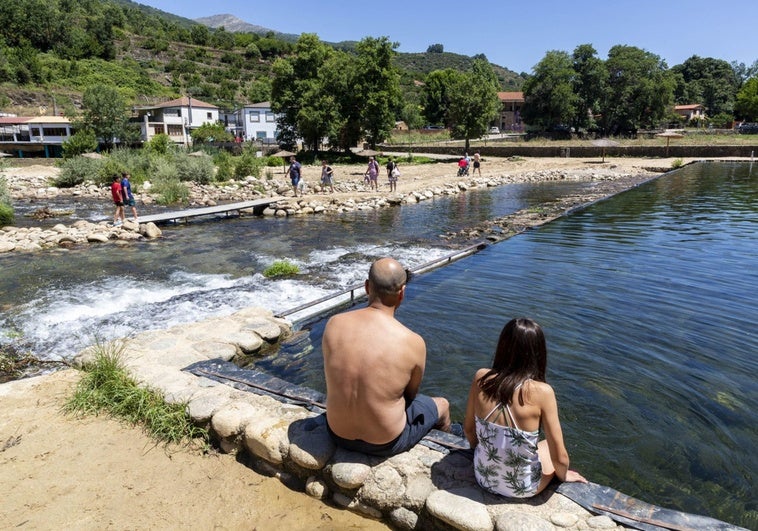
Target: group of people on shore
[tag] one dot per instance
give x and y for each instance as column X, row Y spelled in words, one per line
column 374, row 365
column 370, row 178
column 464, row 164
column 296, row 177
column 121, row 192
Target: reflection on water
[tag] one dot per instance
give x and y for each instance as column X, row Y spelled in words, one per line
column 647, row 301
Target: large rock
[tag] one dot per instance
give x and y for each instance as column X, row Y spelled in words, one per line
column 461, row 508
column 150, row 230
column 384, row 488
column 311, row 447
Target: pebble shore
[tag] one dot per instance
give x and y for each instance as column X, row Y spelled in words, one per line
column 349, row 196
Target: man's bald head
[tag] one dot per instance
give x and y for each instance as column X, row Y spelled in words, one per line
column 386, row 278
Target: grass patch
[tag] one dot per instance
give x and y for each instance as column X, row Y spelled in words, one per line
column 677, row 163
column 107, row 388
column 281, row 268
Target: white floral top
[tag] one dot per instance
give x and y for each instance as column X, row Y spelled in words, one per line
column 506, row 460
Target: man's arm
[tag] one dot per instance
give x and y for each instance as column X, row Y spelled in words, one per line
column 417, row 372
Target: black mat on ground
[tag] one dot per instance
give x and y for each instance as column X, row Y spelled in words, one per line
column 637, row 513
column 260, row 383
column 254, row 381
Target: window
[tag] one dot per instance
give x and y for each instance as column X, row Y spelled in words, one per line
column 255, row 116
column 270, row 117
column 260, row 134
column 35, row 131
column 171, row 112
column 54, row 131
column 209, row 116
column 174, row 130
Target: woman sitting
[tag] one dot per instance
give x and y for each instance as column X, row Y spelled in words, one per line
column 507, row 405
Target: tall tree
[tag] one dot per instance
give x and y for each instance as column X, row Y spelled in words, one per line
column 640, row 90
column 710, row 82
column 296, row 93
column 376, row 82
column 747, row 101
column 436, row 95
column 589, row 85
column 549, row 97
column 473, row 102
column 105, row 113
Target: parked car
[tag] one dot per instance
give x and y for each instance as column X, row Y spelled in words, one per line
column 494, row 130
column 433, row 127
column 748, row 128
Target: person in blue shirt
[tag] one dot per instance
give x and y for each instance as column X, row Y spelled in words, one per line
column 126, row 193
column 294, row 173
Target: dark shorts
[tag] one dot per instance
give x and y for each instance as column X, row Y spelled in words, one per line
column 295, row 181
column 118, row 203
column 129, row 202
column 476, row 164
column 421, row 416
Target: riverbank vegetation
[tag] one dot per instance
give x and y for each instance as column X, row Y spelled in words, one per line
column 106, row 387
column 281, row 268
column 6, row 209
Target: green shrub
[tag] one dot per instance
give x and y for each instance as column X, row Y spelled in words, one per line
column 80, row 142
column 160, row 143
column 166, row 183
column 135, row 161
column 76, row 170
column 7, row 216
column 5, row 196
column 194, row 169
column 225, row 166
column 281, row 268
column 107, row 388
column 108, row 168
column 677, row 163
column 248, row 164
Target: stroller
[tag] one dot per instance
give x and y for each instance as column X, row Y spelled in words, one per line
column 463, row 167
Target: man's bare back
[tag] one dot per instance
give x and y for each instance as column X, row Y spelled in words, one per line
column 374, row 364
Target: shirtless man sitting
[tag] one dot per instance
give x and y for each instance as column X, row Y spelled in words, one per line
column 373, row 366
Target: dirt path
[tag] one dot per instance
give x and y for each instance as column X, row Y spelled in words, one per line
column 60, row 472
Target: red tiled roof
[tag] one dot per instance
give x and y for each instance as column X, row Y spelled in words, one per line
column 184, row 101
column 510, row 96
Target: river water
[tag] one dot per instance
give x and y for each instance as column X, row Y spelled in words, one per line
column 647, row 300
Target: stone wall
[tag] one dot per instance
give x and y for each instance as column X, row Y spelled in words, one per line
column 424, row 488
column 680, row 151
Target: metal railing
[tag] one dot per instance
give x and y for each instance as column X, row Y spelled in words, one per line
column 355, row 292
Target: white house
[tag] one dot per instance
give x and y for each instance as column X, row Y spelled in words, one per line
column 253, row 122
column 690, row 112
column 25, row 134
column 176, row 118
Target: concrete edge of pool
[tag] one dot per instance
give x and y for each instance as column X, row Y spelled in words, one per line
column 428, row 487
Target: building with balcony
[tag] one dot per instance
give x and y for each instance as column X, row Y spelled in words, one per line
column 176, row 118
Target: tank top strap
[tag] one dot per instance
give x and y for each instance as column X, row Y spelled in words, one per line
column 487, row 418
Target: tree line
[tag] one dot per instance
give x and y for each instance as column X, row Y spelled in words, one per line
column 634, row 89
column 345, row 94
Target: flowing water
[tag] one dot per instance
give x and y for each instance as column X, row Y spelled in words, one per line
column 647, row 300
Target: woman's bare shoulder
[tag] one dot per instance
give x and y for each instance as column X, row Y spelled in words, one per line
column 538, row 391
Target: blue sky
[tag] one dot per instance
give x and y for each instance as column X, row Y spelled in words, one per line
column 515, row 35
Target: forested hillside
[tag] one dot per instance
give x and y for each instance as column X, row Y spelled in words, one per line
column 52, row 50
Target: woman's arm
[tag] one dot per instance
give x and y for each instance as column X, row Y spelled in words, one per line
column 553, row 433
column 469, row 422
